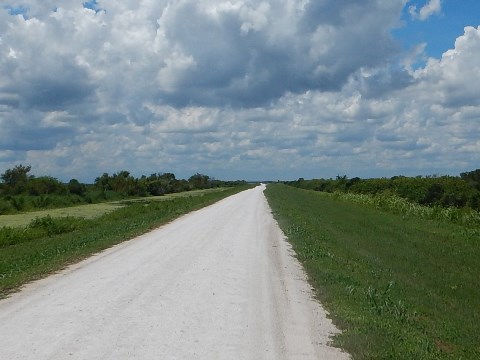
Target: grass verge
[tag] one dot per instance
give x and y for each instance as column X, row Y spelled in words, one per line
column 91, row 211
column 49, row 244
column 398, row 286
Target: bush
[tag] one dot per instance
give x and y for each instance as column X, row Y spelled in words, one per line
column 38, row 228
column 401, row 206
column 42, row 201
column 75, row 187
column 443, row 191
column 45, row 185
column 18, row 203
column 5, row 206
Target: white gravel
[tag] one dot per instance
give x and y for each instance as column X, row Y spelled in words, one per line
column 219, row 283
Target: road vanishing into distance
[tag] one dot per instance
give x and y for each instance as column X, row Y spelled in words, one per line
column 218, row 283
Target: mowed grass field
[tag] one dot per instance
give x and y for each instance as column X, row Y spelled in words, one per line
column 399, row 287
column 91, row 211
column 49, row 243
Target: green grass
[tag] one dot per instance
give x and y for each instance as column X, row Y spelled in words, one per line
column 399, row 287
column 91, row 211
column 49, row 244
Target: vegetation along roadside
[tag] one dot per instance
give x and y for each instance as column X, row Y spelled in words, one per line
column 399, row 286
column 48, row 244
column 90, row 211
column 22, row 192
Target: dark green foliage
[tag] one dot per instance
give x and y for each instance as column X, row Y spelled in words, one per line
column 156, row 187
column 95, row 195
column 472, row 177
column 157, row 184
column 21, row 192
column 5, row 206
column 18, row 202
column 399, row 286
column 23, row 203
column 16, row 179
column 200, row 181
column 160, row 184
column 443, row 191
column 45, row 185
column 75, row 187
column 54, row 226
column 41, row 202
column 122, row 183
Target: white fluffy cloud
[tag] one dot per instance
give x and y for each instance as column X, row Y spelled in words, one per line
column 432, row 7
column 235, row 89
column 240, row 53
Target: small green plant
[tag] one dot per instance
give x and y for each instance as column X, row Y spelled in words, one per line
column 381, row 302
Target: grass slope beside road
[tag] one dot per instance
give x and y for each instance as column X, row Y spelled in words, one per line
column 400, row 287
column 49, row 244
column 91, row 211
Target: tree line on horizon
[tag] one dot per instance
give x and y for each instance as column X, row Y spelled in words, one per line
column 461, row 191
column 21, row 191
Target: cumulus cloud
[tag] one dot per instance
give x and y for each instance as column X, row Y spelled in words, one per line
column 432, row 7
column 247, row 89
column 242, row 53
column 451, row 76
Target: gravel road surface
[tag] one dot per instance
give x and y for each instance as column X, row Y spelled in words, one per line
column 219, row 283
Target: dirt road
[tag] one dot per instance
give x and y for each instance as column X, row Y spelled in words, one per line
column 219, row 283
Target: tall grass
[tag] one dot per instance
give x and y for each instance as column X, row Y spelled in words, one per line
column 38, row 228
column 399, row 205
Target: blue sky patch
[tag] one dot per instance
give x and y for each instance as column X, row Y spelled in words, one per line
column 92, row 5
column 438, row 31
column 19, row 10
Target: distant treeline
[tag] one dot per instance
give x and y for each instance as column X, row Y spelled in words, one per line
column 20, row 191
column 444, row 191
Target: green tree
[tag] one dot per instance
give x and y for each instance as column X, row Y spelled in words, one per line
column 16, row 179
column 45, row 185
column 102, row 182
column 472, row 177
column 199, row 181
column 75, row 187
column 123, row 183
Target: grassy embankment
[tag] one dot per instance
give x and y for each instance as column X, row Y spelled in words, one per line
column 48, row 244
column 91, row 211
column 399, row 286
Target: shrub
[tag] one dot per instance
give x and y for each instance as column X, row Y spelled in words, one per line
column 75, row 187
column 5, row 206
column 54, row 226
column 18, row 203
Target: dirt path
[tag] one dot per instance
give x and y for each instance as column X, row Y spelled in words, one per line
column 219, row 283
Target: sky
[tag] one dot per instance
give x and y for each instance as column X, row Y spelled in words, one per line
column 240, row 89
